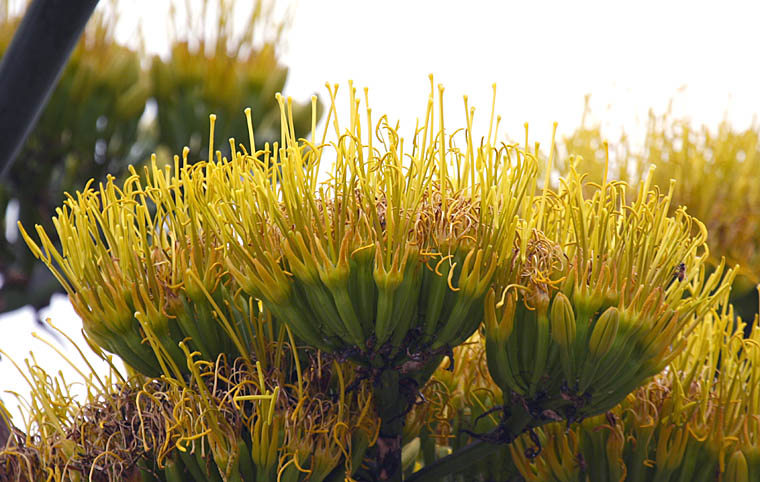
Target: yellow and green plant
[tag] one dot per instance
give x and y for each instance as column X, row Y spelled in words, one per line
column 231, row 420
column 714, row 168
column 324, row 280
column 607, row 291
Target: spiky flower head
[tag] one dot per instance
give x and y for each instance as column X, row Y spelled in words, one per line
column 606, row 290
column 713, row 166
column 389, row 259
column 227, row 420
column 138, row 264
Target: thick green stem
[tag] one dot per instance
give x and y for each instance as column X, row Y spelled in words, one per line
column 519, row 421
column 391, row 407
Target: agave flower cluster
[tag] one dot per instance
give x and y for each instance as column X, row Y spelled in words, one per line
column 713, row 167
column 227, row 420
column 606, row 288
column 390, row 263
column 590, row 321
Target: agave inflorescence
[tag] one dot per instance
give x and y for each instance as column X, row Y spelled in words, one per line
column 714, row 169
column 384, row 249
column 93, row 125
column 390, row 263
column 229, row 420
column 607, row 288
column 387, row 263
column 137, row 262
column 602, row 296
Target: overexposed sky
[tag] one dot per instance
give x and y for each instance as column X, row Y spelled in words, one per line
column 544, row 57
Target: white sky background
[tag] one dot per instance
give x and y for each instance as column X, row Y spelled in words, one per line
column 544, row 56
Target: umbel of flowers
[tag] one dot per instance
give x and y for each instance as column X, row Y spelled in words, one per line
column 390, row 263
column 91, row 125
column 605, row 289
column 714, row 168
column 387, row 263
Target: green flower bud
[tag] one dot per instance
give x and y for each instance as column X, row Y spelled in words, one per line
column 562, row 320
column 737, row 469
column 604, row 333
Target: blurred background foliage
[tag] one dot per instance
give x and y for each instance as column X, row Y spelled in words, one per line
column 714, row 167
column 115, row 104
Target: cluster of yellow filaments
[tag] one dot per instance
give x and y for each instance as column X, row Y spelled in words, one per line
column 616, row 291
column 714, row 169
column 621, row 284
column 385, row 246
column 233, row 420
column 378, row 250
column 386, row 263
column 390, row 263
